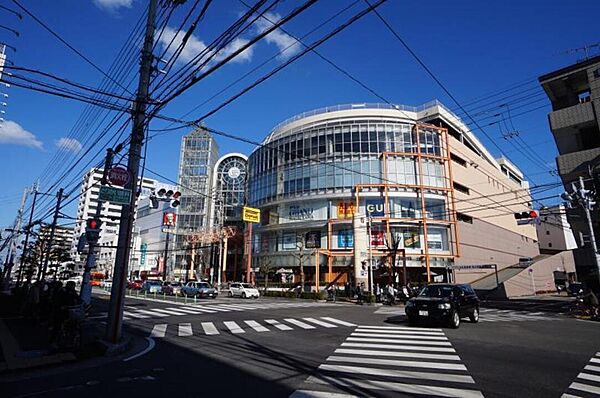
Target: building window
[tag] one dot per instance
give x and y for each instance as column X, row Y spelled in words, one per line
column 547, row 232
column 464, row 218
column 458, row 159
column 549, row 244
column 460, row 188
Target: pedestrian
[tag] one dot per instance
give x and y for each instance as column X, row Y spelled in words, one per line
column 391, row 294
column 361, row 293
column 378, row 293
column 347, row 289
column 33, row 302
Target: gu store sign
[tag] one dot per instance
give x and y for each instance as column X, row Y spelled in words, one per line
column 375, row 208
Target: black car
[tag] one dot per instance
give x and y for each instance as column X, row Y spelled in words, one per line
column 444, row 302
column 575, row 289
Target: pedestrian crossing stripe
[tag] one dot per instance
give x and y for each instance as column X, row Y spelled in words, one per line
column 588, row 381
column 199, row 309
column 430, row 368
column 210, row 328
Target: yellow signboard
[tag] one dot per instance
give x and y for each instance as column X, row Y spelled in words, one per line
column 250, row 214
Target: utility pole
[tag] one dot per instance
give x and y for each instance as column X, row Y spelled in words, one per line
column 115, row 310
column 582, row 197
column 28, row 229
column 369, row 232
column 165, row 262
column 90, row 260
column 12, row 247
column 52, row 229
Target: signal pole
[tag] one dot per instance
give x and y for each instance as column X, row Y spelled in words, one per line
column 25, row 248
column 54, row 220
column 115, row 310
column 90, row 261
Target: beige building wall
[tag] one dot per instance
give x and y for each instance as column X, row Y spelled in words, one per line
column 542, row 278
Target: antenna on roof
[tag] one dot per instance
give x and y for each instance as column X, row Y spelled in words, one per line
column 585, row 49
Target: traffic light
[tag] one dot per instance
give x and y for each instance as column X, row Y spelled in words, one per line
column 92, row 229
column 175, row 199
column 165, row 195
column 524, row 215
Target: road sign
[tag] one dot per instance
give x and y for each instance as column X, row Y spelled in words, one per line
column 115, row 195
column 118, row 176
column 250, row 214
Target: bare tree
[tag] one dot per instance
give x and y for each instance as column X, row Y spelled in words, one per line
column 265, row 266
column 392, row 243
column 300, row 255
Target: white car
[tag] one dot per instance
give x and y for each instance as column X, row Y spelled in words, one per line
column 243, row 290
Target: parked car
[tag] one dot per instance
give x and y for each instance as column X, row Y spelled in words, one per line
column 243, row 290
column 444, row 302
column 152, row 287
column 199, row 289
column 172, row 288
column 77, row 279
column 135, row 284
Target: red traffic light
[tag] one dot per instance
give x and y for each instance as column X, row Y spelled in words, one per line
column 533, row 214
column 176, row 195
column 93, row 223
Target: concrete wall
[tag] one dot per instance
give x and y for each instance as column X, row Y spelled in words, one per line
column 542, row 277
column 485, row 243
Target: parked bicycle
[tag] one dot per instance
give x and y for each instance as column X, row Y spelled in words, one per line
column 71, row 330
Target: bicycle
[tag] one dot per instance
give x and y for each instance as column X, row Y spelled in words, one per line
column 70, row 332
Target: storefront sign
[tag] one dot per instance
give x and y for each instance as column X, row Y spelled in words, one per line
column 377, row 238
column 250, row 214
column 313, row 240
column 345, row 239
column 345, row 209
column 375, row 207
column 169, row 219
column 301, row 213
column 412, row 240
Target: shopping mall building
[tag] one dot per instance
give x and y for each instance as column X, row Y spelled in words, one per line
column 410, row 190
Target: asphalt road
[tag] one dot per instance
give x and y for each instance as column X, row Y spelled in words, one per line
column 280, row 348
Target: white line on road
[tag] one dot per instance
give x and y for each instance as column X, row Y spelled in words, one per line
column 339, row 322
column 151, row 345
column 152, row 313
column 320, row 323
column 169, row 312
column 234, row 327
column 216, row 308
column 209, row 328
column 134, row 315
column 398, row 387
column 199, row 309
column 402, row 328
column 299, row 323
column 399, row 347
column 185, row 310
column 319, row 394
column 400, row 341
column 159, row 330
column 399, row 373
column 400, row 336
column 397, row 354
column 592, row 368
column 256, row 326
column 585, row 387
column 395, row 362
column 411, row 332
column 185, row 329
column 587, row 376
column 278, row 325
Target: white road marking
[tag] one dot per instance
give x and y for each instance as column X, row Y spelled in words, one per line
column 168, row 312
column 395, row 362
column 184, row 310
column 216, row 308
column 134, row 315
column 399, row 347
column 200, row 309
column 159, row 330
column 398, row 387
column 234, row 327
column 402, row 336
column 319, row 394
column 278, row 325
column 399, row 373
column 209, row 328
column 592, row 368
column 151, row 345
column 231, row 307
column 320, row 323
column 402, row 328
column 256, row 326
column 397, row 332
column 152, row 313
column 185, row 329
column 339, row 322
column 397, row 354
column 587, row 376
column 399, row 341
column 585, row 387
column 299, row 323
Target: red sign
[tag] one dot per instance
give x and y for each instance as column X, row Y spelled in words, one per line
column 118, row 176
column 169, row 219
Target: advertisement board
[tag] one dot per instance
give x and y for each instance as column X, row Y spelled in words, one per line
column 375, row 207
column 250, row 214
column 313, row 240
column 345, row 239
column 345, row 210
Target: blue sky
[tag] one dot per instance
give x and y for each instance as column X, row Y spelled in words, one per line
column 473, row 47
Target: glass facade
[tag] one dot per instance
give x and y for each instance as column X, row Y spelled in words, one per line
column 318, row 179
column 230, row 185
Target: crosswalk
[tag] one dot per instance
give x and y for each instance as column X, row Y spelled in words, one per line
column 242, row 327
column 392, row 360
column 587, row 383
column 133, row 313
column 495, row 315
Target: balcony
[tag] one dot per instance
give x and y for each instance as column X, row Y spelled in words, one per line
column 582, row 113
column 573, row 164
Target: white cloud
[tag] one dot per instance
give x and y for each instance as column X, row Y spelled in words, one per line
column 12, row 133
column 283, row 41
column 113, row 5
column 195, row 46
column 70, row 144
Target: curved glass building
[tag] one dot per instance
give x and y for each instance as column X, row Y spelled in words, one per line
column 343, row 187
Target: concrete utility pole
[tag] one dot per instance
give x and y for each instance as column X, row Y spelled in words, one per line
column 12, row 247
column 59, row 199
column 582, row 197
column 369, row 232
column 115, row 310
column 90, row 261
column 27, row 231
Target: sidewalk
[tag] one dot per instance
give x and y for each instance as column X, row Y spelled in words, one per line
column 26, row 343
